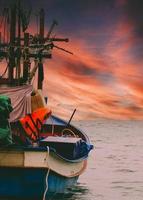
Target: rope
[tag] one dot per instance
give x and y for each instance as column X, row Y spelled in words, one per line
column 53, row 127
column 33, row 72
column 47, row 175
column 67, row 129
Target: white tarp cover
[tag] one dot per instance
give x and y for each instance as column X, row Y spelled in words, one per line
column 20, row 98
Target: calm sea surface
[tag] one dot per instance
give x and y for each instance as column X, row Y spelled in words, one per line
column 115, row 167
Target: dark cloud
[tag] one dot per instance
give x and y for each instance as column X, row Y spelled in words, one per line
column 134, row 12
column 80, row 68
column 135, row 108
column 8, row 3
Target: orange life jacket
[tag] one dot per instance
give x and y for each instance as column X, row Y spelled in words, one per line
column 32, row 123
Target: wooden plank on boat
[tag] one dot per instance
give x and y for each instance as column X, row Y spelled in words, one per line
column 40, row 159
column 11, row 159
column 35, row 159
column 67, row 140
column 65, row 168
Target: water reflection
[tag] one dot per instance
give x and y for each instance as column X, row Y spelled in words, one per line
column 75, row 193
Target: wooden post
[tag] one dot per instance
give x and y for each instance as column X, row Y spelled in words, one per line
column 42, row 24
column 26, row 62
column 12, row 43
column 19, row 43
column 41, row 34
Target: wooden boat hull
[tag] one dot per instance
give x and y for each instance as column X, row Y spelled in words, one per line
column 21, row 176
column 30, row 183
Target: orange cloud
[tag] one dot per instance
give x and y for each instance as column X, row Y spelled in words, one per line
column 78, row 81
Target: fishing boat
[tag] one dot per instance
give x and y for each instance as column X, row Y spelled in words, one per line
column 40, row 154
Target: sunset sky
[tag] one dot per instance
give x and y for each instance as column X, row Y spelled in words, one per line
column 104, row 77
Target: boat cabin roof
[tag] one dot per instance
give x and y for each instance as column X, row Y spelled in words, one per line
column 71, row 140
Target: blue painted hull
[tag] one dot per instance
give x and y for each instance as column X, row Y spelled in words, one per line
column 30, row 183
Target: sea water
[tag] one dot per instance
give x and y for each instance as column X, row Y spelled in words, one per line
column 115, row 166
